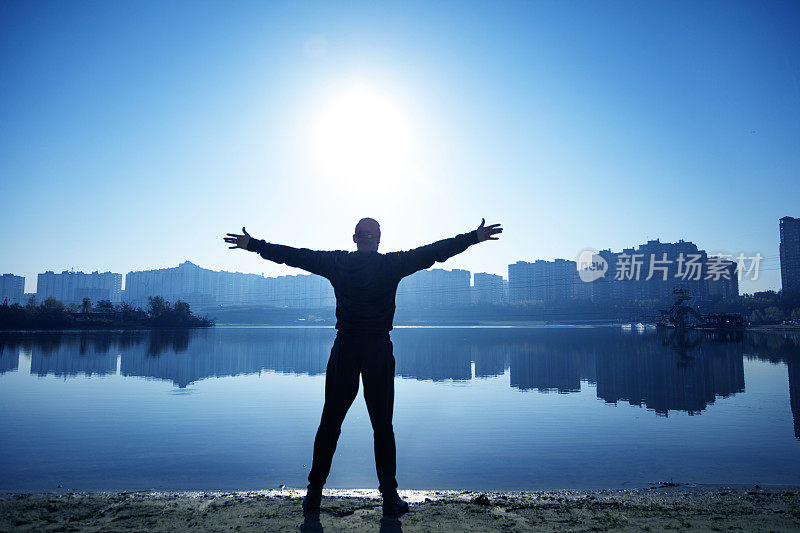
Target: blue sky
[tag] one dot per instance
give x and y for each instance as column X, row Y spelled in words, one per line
column 136, row 134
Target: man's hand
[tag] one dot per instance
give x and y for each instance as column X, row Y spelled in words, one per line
column 485, row 232
column 238, row 241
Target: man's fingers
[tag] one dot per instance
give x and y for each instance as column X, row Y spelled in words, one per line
column 232, row 247
column 483, row 221
column 245, row 232
column 234, row 235
column 493, row 238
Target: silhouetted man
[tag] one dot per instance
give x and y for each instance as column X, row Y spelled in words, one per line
column 365, row 283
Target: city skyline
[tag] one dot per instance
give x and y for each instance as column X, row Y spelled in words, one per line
column 573, row 126
column 652, row 270
column 770, row 270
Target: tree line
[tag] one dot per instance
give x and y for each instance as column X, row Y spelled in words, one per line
column 54, row 314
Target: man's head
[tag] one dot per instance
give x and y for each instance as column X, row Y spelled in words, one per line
column 367, row 235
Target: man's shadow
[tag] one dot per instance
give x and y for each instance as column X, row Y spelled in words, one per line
column 311, row 524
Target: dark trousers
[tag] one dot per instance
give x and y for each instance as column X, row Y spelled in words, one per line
column 370, row 355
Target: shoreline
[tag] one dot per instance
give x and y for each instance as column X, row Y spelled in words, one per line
column 488, row 324
column 663, row 506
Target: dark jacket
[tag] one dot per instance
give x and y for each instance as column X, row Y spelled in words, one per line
column 365, row 283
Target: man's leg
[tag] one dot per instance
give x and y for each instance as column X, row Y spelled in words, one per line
column 378, row 376
column 341, row 388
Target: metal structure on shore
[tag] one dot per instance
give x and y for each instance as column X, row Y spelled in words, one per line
column 683, row 316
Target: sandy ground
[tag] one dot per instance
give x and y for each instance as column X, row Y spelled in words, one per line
column 708, row 508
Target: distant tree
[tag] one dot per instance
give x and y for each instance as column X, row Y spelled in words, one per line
column 157, row 306
column 773, row 315
column 31, row 302
column 73, row 307
column 104, row 305
column 12, row 316
column 766, row 295
column 181, row 309
column 86, row 304
column 51, row 314
column 50, row 304
column 129, row 313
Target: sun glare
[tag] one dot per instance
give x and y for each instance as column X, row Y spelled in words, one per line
column 363, row 139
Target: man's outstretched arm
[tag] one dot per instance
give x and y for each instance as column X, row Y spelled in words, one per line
column 316, row 262
column 440, row 251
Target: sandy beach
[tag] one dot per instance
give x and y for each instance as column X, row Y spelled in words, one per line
column 699, row 507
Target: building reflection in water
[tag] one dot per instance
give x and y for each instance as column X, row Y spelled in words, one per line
column 664, row 372
column 9, row 356
column 684, row 380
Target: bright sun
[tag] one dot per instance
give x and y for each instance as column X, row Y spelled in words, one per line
column 363, row 139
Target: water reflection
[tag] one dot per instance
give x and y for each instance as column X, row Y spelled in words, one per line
column 661, row 371
column 9, row 356
column 700, row 369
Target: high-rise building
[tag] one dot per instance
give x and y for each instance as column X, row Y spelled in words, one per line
column 73, row 287
column 651, row 271
column 201, row 287
column 301, row 291
column 520, row 282
column 726, row 285
column 435, row 288
column 12, row 289
column 544, row 281
column 488, row 288
column 790, row 254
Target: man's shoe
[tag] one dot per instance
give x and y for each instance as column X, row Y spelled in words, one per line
column 393, row 505
column 311, row 524
column 312, row 500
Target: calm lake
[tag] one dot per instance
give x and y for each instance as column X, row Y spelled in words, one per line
column 236, row 408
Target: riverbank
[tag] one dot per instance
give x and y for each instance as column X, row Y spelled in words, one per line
column 701, row 507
